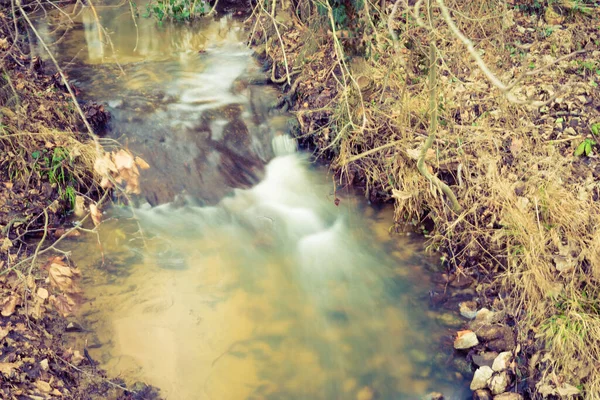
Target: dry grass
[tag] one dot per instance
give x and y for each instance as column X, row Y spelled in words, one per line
column 530, row 208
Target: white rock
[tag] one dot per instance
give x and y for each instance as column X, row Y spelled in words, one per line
column 502, row 362
column 481, row 377
column 499, row 382
column 466, row 340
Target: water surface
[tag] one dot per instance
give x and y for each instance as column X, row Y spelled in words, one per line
column 244, row 275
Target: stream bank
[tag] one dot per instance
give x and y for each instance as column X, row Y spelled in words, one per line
column 523, row 239
column 46, row 171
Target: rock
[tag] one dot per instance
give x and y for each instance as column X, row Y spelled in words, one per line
column 462, row 366
column 504, row 343
column 489, row 332
column 418, row 357
column 481, row 377
column 499, row 382
column 366, row 393
column 502, row 362
column 450, row 320
column 468, row 309
column 433, row 396
column 486, row 358
column 74, row 327
column 482, row 394
column 508, row 396
column 465, row 340
column 487, row 316
column 461, row 282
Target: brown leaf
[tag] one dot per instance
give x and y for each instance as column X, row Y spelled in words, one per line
column 96, row 214
column 141, row 163
column 104, row 165
column 4, row 332
column 43, row 386
column 8, row 305
column 516, row 145
column 123, row 159
column 62, row 276
column 63, row 304
column 42, row 293
column 8, row 368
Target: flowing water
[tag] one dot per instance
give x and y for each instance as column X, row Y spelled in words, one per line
column 241, row 277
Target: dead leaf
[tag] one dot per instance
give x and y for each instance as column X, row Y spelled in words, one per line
column 4, row 332
column 8, row 305
column 567, row 390
column 62, row 276
column 96, row 214
column 104, row 165
column 79, row 208
column 516, row 146
column 42, row 293
column 6, row 244
column 141, row 163
column 402, row 194
column 8, row 368
column 123, row 160
column 43, row 386
column 77, row 358
column 63, row 304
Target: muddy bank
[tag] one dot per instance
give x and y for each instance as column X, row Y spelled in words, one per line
column 522, row 237
column 46, row 171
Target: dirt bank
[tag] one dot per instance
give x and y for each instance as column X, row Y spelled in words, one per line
column 506, row 122
column 47, row 172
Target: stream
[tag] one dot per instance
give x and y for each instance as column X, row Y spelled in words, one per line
column 242, row 273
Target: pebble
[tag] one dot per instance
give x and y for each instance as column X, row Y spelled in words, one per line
column 499, row 382
column 481, row 377
column 508, row 396
column 468, row 309
column 486, row 358
column 482, row 394
column 502, row 362
column 465, row 340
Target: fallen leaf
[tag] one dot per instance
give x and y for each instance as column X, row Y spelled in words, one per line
column 8, row 305
column 43, row 386
column 141, row 163
column 79, row 208
column 123, row 160
column 104, row 165
column 42, row 293
column 77, row 358
column 516, row 146
column 96, row 214
column 6, row 244
column 8, row 368
column 63, row 304
column 62, row 276
column 4, row 332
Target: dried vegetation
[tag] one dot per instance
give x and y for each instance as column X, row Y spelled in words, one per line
column 526, row 225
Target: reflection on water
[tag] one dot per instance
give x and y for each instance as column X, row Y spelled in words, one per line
column 243, row 280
